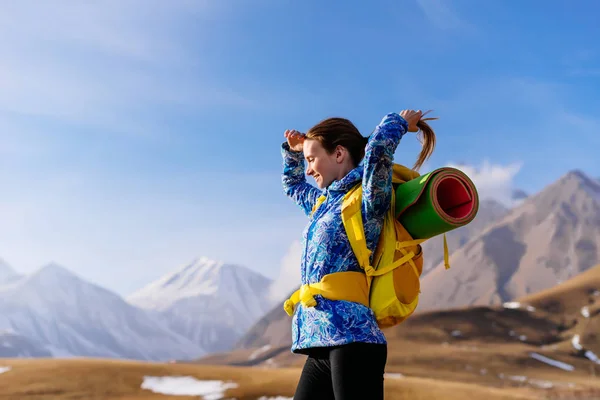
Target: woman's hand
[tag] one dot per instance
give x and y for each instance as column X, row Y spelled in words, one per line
column 412, row 117
column 295, row 139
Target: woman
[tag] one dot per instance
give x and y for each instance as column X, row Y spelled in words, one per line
column 346, row 350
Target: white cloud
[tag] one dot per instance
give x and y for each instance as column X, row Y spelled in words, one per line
column 289, row 274
column 493, row 181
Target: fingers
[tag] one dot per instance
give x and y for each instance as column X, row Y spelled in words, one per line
column 295, row 133
column 289, row 133
column 413, row 114
column 292, row 134
column 410, row 112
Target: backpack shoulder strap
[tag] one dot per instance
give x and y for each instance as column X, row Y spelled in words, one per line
column 353, row 224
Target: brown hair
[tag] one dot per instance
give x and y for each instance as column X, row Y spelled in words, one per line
column 333, row 132
column 427, row 139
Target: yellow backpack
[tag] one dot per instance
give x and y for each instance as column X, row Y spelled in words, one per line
column 392, row 285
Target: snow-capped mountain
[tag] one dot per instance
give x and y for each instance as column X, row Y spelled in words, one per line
column 210, row 302
column 70, row 316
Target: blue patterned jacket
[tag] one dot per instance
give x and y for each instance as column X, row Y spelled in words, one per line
column 326, row 248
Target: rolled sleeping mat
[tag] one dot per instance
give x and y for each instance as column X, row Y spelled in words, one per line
column 437, row 202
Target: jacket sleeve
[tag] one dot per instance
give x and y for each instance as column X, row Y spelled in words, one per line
column 378, row 161
column 294, row 180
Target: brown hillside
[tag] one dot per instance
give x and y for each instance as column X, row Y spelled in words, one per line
column 569, row 296
column 550, row 238
column 489, row 212
column 575, row 307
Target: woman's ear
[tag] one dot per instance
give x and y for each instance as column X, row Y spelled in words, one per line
column 340, row 154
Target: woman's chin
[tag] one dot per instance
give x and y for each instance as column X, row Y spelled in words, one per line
column 320, row 183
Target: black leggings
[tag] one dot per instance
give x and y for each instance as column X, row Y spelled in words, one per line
column 348, row 372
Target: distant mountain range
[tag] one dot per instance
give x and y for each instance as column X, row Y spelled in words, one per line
column 208, row 306
column 71, row 317
column 203, row 307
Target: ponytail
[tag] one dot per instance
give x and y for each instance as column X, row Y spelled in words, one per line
column 426, row 136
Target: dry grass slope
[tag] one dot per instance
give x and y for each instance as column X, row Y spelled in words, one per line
column 96, row 379
column 569, row 296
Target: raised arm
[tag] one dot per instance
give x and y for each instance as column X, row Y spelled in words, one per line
column 378, row 160
column 294, row 179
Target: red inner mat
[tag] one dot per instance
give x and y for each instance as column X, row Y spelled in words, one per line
column 454, row 197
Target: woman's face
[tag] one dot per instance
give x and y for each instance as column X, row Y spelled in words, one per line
column 323, row 167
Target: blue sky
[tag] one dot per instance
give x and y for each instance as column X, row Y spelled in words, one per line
column 137, row 135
